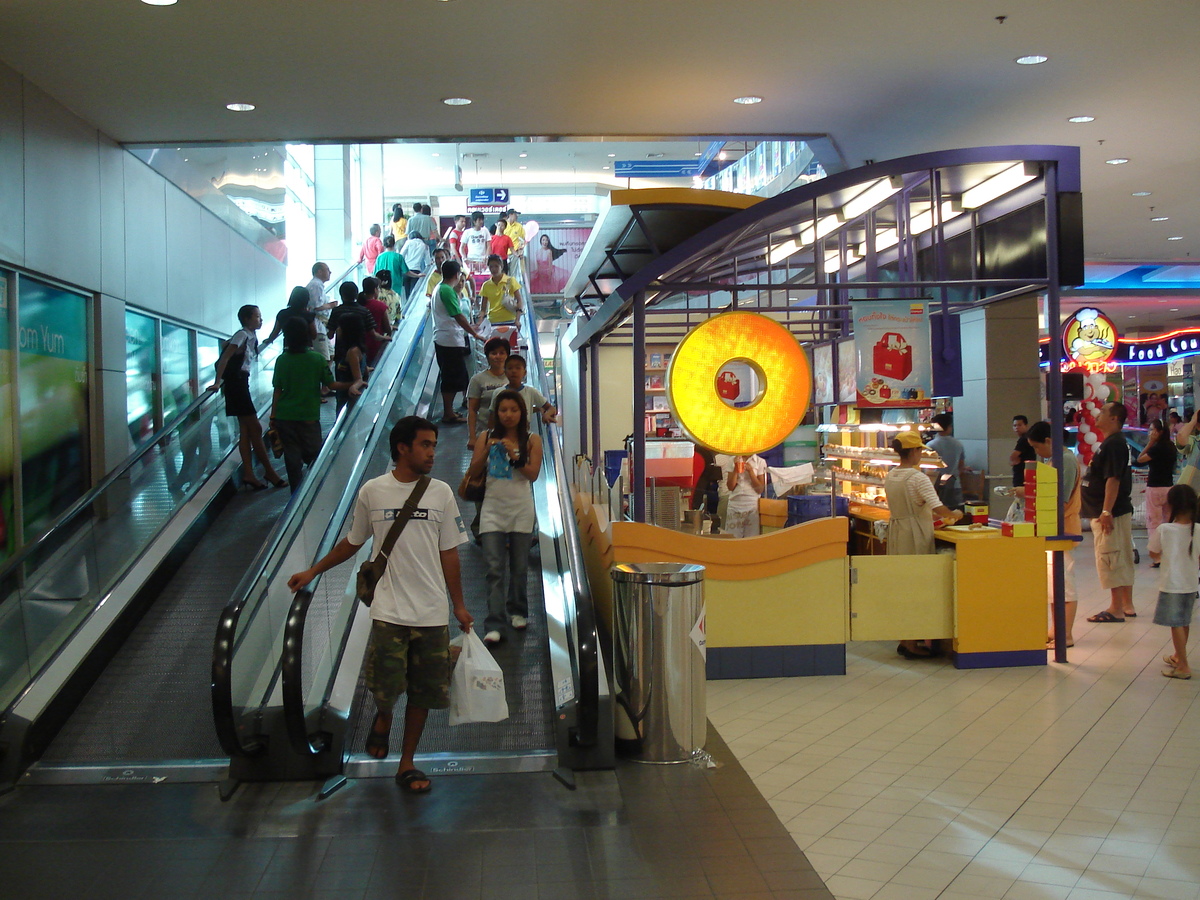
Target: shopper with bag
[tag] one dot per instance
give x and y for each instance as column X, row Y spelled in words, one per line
column 409, row 652
column 512, row 458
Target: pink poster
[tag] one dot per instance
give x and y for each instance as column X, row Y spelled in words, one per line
column 552, row 254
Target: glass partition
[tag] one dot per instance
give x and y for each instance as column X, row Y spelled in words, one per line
column 179, row 385
column 141, row 368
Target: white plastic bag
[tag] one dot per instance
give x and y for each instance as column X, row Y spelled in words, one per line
column 477, row 685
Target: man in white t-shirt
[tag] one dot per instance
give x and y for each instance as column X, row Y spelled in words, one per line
column 410, row 641
column 745, row 476
column 475, row 245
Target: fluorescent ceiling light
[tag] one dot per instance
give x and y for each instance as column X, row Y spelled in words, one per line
column 1117, row 161
column 457, row 101
column 808, row 235
column 522, row 155
column 1033, row 59
column 999, row 185
column 1080, row 120
column 435, row 154
column 885, row 238
column 1159, row 218
column 922, row 222
column 240, row 107
column 1178, row 237
column 1142, row 193
column 780, row 252
column 748, row 100
column 611, row 155
column 878, row 192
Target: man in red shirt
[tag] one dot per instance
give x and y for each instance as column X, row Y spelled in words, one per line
column 379, row 312
column 371, row 248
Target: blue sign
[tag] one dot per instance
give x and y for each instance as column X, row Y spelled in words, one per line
column 488, row 196
column 655, row 168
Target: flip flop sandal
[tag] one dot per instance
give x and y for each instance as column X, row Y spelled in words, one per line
column 377, row 744
column 1175, row 673
column 406, row 780
column 1170, row 661
column 1104, row 616
column 1131, row 615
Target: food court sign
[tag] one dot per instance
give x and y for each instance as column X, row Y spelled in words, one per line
column 1148, row 351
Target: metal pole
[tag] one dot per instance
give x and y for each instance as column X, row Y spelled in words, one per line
column 582, row 400
column 637, row 465
column 1054, row 395
column 594, row 406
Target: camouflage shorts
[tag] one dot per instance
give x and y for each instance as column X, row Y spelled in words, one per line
column 404, row 658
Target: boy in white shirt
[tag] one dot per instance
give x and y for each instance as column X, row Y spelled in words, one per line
column 515, row 369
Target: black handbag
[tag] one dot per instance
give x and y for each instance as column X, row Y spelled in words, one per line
column 371, row 571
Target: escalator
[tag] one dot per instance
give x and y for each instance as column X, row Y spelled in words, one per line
column 560, row 713
column 106, row 621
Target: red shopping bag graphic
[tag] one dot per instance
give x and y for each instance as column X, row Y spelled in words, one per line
column 728, row 386
column 892, row 356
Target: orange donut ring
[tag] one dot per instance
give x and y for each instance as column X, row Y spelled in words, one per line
column 706, row 350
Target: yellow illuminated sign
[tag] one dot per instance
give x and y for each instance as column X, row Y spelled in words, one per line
column 695, row 383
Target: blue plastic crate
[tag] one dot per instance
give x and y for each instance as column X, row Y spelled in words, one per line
column 806, row 507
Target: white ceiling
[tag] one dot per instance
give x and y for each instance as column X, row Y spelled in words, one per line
column 879, row 77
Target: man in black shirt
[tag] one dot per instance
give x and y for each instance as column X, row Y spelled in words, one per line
column 1107, row 488
column 1022, row 453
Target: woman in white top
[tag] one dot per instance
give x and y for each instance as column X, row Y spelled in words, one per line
column 912, row 504
column 513, row 459
column 745, row 477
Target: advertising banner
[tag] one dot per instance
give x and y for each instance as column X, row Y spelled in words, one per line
column 891, row 343
column 822, row 363
column 552, row 254
column 52, row 358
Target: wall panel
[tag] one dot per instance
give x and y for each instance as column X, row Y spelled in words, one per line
column 12, row 168
column 215, row 277
column 145, row 236
column 185, row 289
column 62, row 192
column 112, row 217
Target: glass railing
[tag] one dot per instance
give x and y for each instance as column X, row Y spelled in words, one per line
column 251, row 635
column 51, row 587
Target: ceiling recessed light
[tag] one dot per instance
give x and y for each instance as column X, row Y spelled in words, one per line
column 611, row 155
column 522, row 167
column 522, row 155
column 435, row 154
column 1079, row 120
column 655, row 155
column 604, row 167
column 697, row 153
column 1117, row 161
column 1178, row 237
column 1174, row 309
column 1133, row 317
column 160, row 2
column 456, row 101
column 748, row 100
column 1141, row 193
column 1159, row 218
column 240, row 107
column 1033, row 59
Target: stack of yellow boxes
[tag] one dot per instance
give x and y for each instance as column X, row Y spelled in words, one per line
column 1041, row 498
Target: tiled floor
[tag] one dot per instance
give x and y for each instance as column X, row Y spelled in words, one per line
column 913, row 780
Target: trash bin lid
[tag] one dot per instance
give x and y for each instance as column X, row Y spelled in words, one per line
column 658, row 573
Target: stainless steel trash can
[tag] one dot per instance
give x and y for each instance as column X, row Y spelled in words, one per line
column 659, row 655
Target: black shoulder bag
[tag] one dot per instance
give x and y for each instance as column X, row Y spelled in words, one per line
column 371, row 571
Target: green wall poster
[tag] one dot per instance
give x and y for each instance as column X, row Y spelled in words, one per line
column 52, row 401
column 8, row 531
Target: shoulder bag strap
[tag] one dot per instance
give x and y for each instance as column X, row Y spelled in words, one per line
column 406, row 512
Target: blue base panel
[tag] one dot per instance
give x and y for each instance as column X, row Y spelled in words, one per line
column 776, row 662
column 1000, row 659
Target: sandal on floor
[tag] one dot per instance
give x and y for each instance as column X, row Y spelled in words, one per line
column 407, row 780
column 1175, row 673
column 377, row 743
column 1104, row 616
column 1171, row 661
column 1131, row 615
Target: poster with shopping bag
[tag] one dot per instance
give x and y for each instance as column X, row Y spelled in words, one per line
column 891, row 342
column 477, row 685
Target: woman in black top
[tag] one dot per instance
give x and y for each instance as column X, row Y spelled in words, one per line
column 297, row 308
column 1160, row 454
column 349, row 357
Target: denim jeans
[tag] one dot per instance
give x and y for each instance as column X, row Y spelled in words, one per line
column 511, row 551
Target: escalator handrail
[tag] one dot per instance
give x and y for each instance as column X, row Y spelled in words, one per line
column 587, row 656
column 83, row 503
column 291, row 660
column 226, row 640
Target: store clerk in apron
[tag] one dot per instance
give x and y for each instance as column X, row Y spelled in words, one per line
column 912, row 506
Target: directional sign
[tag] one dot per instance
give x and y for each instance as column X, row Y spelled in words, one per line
column 488, row 196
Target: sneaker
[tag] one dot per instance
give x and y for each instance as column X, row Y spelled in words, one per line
column 519, row 622
column 492, row 637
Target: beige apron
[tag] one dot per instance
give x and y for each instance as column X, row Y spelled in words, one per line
column 910, row 527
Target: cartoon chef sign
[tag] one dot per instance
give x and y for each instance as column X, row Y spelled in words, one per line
column 1089, row 337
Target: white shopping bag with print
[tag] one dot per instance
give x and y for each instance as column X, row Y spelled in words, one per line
column 477, row 685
